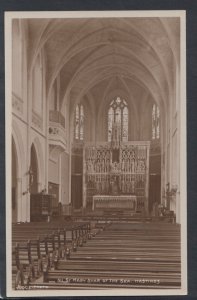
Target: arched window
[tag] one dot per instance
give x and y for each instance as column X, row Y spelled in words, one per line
column 118, row 113
column 79, row 122
column 155, row 122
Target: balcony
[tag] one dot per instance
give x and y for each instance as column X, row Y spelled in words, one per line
column 56, row 134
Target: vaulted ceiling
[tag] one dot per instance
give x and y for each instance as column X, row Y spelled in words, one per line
column 93, row 56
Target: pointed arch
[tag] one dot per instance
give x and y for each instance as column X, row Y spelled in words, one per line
column 40, row 159
column 19, row 146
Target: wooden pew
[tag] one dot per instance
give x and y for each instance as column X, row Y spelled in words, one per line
column 129, row 253
column 37, row 247
column 99, row 250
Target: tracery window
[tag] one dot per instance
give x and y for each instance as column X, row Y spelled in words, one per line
column 155, row 122
column 118, row 113
column 79, row 122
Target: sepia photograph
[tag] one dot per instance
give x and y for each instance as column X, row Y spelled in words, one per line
column 96, row 200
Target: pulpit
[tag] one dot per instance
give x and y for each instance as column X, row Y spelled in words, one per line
column 42, row 206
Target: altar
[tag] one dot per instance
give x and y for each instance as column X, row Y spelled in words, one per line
column 114, row 202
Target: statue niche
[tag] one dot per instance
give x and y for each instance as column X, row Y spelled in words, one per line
column 115, row 186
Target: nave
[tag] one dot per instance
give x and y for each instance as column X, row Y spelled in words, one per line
column 97, row 255
column 97, row 186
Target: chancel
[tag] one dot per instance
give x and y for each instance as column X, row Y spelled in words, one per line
column 96, row 153
column 117, row 170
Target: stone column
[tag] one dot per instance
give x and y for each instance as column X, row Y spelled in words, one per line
column 84, row 184
column 60, row 179
column 19, row 199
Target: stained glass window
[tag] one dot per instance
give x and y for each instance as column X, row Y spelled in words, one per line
column 81, row 133
column 125, row 124
column 155, row 122
column 118, row 113
column 79, row 122
column 110, row 121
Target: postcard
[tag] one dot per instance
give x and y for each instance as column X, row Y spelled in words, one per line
column 96, row 199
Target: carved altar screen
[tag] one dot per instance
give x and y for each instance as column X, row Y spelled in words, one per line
column 123, row 170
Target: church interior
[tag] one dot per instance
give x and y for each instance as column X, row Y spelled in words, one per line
column 96, row 152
